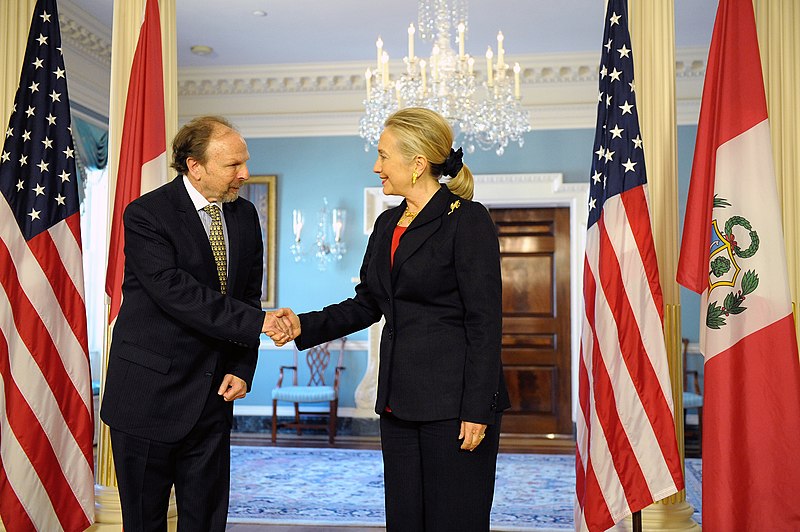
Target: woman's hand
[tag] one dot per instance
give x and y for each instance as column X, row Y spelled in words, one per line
column 472, row 434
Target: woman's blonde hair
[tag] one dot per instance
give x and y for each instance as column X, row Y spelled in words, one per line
column 420, row 131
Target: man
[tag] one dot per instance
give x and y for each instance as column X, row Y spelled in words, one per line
column 186, row 339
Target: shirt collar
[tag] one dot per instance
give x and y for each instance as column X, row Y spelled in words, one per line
column 197, row 199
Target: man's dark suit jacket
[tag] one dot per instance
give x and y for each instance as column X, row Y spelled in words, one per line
column 440, row 348
column 176, row 335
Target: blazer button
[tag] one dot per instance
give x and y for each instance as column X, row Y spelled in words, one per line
column 390, row 333
column 208, row 374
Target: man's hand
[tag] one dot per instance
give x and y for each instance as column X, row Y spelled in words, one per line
column 279, row 330
column 286, row 326
column 232, row 388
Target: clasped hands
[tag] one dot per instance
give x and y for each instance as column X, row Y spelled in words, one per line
column 281, row 326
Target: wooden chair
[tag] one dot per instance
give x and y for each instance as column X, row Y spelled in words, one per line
column 692, row 395
column 316, row 391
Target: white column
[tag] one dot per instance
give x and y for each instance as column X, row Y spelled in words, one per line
column 653, row 42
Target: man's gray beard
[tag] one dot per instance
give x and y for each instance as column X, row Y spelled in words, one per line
column 230, row 197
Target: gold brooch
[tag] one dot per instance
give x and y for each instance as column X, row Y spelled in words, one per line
column 453, row 206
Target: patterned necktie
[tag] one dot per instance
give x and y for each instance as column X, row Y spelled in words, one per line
column 217, row 240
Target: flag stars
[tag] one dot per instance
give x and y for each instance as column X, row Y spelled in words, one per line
column 599, row 96
column 26, row 136
column 39, row 189
column 608, row 45
column 616, row 132
column 60, row 199
column 626, row 107
column 51, row 119
column 615, row 74
column 20, row 185
column 592, row 203
column 629, row 165
column 43, row 166
column 55, row 96
column 45, row 16
column 68, row 152
column 600, row 153
column 5, row 157
column 38, row 63
column 597, row 177
column 34, row 87
column 42, row 40
column 9, row 132
column 30, row 111
column 23, row 160
column 615, row 18
column 637, row 142
column 609, row 155
column 632, row 85
column 624, row 52
column 47, row 143
column 34, row 214
column 59, row 72
column 603, row 71
column 608, row 100
column 64, row 176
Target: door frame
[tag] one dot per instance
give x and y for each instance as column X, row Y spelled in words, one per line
column 499, row 191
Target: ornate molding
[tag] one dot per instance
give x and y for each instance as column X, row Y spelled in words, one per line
column 547, row 70
column 83, row 32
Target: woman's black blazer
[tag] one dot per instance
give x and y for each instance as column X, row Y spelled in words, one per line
column 440, row 348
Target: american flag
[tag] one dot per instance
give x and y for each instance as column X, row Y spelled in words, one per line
column 46, row 428
column 627, row 452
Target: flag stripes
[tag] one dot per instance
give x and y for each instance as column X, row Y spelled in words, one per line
column 46, row 426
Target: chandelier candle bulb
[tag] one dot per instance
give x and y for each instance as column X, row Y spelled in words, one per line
column 435, row 63
column 500, row 51
column 516, row 80
column 461, row 28
column 410, row 42
column 489, row 66
column 471, row 64
column 379, row 45
column 368, row 78
column 385, row 68
column 422, row 65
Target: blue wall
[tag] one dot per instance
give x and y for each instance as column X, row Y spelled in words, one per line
column 338, row 168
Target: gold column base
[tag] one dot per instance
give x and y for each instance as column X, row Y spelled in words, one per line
column 658, row 517
column 108, row 513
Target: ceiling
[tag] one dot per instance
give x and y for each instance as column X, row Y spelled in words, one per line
column 321, row 31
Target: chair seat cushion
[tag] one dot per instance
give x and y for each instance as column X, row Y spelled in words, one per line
column 692, row 400
column 304, row 394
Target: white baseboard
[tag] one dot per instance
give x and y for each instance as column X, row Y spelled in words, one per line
column 288, row 410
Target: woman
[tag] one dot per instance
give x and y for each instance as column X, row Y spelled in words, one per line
column 432, row 269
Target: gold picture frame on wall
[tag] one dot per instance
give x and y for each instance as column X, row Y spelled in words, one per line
column 262, row 191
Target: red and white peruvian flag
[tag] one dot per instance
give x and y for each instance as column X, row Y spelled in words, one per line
column 142, row 158
column 752, row 375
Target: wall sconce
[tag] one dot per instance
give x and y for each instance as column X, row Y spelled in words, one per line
column 329, row 245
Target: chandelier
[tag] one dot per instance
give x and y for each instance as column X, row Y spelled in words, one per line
column 329, row 245
column 485, row 112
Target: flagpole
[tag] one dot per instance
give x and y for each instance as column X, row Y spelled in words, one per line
column 637, row 521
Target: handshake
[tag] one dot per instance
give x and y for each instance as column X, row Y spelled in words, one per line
column 281, row 326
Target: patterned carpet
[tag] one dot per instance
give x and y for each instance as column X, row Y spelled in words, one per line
column 281, row 485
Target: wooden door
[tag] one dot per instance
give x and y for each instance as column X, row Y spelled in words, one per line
column 534, row 248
